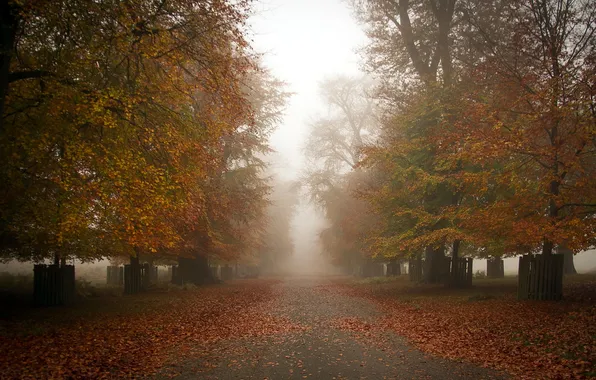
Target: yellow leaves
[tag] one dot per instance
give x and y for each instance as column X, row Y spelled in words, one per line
column 124, row 142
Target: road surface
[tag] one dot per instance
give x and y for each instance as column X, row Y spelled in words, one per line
column 324, row 348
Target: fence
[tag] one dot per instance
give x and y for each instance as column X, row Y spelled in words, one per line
column 53, row 284
column 495, row 267
column 540, row 277
column 461, row 272
column 194, row 270
column 444, row 271
column 153, row 274
column 438, row 267
column 393, row 268
column 177, row 275
column 137, row 277
column 371, row 269
column 415, row 270
column 115, row 275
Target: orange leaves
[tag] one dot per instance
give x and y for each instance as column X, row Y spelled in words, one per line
column 123, row 132
column 134, row 337
column 530, row 340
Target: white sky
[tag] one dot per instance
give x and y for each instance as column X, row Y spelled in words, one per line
column 303, row 42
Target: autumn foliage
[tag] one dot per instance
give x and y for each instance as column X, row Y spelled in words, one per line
column 487, row 114
column 132, row 127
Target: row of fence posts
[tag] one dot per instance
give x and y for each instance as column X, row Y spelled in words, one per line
column 55, row 284
column 135, row 281
column 464, row 269
column 135, row 278
column 455, row 273
column 540, row 277
column 371, row 269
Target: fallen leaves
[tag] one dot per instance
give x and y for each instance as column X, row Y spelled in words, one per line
column 530, row 340
column 133, row 344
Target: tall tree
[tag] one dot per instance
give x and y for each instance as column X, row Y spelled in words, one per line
column 334, row 148
column 411, row 50
column 529, row 123
column 114, row 116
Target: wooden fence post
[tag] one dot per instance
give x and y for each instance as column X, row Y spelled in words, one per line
column 415, row 270
column 177, row 277
column 540, row 277
column 393, row 268
column 53, row 284
column 462, row 277
column 133, row 280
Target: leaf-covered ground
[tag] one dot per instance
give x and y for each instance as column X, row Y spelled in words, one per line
column 132, row 336
column 307, row 327
column 253, row 329
column 322, row 348
column 488, row 326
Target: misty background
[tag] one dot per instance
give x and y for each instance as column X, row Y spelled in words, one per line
column 305, row 42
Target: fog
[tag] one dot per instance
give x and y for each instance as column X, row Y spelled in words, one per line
column 298, row 189
column 305, row 42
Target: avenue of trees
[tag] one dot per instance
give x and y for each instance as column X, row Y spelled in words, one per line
column 133, row 129
column 483, row 133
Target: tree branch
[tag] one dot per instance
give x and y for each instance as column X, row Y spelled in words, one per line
column 29, row 74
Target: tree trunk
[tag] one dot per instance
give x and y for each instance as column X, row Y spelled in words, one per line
column 8, row 28
column 454, row 267
column 495, row 267
column 195, row 270
column 568, row 265
column 134, row 260
column 133, row 283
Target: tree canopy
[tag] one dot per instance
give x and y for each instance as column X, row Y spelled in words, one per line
column 133, row 126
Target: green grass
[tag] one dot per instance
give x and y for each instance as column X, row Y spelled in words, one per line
column 380, row 280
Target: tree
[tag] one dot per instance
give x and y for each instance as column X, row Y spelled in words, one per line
column 334, row 150
column 412, row 41
column 116, row 118
column 529, row 124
